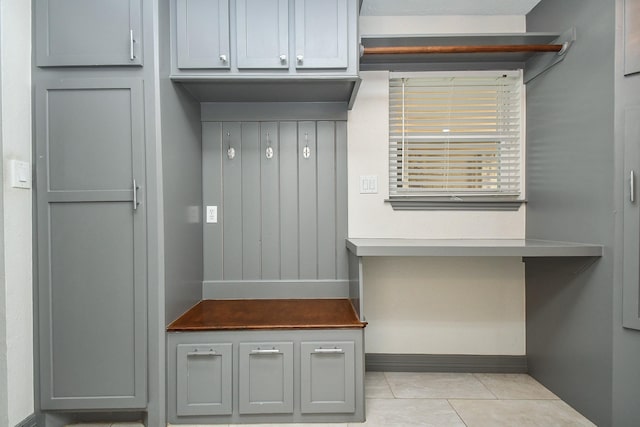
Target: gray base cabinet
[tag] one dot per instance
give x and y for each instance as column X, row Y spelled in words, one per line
column 266, row 378
column 272, row 376
column 204, row 379
column 327, row 382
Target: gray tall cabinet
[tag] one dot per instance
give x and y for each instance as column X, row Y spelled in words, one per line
column 91, row 152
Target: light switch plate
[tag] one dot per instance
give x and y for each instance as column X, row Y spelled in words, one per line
column 368, row 184
column 20, row 174
column 212, row 214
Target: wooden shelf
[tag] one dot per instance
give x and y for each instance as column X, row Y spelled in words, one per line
column 448, row 61
column 260, row 314
column 471, row 247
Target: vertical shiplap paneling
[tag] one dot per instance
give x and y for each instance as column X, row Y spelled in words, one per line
column 270, row 201
column 308, row 202
column 342, row 263
column 212, row 196
column 250, row 213
column 232, row 202
column 288, row 155
column 326, row 185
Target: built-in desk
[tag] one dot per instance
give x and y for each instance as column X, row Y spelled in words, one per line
column 526, row 248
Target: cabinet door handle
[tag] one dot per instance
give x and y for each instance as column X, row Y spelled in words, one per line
column 328, row 350
column 131, row 41
column 223, row 58
column 283, row 58
column 135, row 195
column 265, row 351
column 632, row 186
column 202, row 353
column 300, row 59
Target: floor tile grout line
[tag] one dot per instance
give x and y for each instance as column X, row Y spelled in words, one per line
column 475, row 375
column 457, row 413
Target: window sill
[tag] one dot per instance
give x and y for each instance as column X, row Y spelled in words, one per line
column 448, row 204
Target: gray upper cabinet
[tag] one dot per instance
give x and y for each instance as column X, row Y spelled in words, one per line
column 88, row 32
column 321, row 34
column 91, row 230
column 262, row 33
column 202, row 34
column 264, row 38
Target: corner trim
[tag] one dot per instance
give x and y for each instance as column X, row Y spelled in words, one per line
column 445, row 363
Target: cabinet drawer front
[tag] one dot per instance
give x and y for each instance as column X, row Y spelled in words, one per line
column 266, row 378
column 327, row 377
column 204, row 379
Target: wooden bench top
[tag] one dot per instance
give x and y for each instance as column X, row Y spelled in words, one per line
column 216, row 315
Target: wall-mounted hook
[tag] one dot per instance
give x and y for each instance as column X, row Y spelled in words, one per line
column 306, row 151
column 231, row 152
column 269, row 150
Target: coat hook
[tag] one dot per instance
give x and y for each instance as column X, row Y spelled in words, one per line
column 231, row 152
column 306, row 151
column 269, row 150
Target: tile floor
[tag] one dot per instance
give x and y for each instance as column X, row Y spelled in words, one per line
column 396, row 399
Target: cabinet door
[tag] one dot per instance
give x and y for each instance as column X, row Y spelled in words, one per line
column 88, row 32
column 262, row 33
column 631, row 271
column 91, row 231
column 266, row 378
column 202, row 32
column 204, row 379
column 321, row 34
column 327, row 377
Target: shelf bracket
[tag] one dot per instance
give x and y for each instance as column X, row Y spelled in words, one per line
column 542, row 62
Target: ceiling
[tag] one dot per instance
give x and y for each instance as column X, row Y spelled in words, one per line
column 446, row 7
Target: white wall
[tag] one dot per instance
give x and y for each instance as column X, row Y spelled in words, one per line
column 436, row 305
column 15, row 76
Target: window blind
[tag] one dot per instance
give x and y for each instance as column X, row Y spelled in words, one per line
column 455, row 136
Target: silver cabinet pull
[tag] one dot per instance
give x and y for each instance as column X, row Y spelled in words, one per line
column 300, row 59
column 265, row 351
column 202, row 353
column 131, row 41
column 223, row 58
column 283, row 58
column 328, row 350
column 632, row 186
column 135, row 195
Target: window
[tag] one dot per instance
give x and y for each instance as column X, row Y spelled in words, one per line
column 455, row 141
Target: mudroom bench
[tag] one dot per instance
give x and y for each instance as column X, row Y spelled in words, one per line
column 266, row 361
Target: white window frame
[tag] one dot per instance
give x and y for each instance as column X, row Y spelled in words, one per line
column 405, row 194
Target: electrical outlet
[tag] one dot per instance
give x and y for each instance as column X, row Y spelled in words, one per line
column 212, row 214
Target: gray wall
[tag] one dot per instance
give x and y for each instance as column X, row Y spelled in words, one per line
column 570, row 170
column 626, row 342
column 182, row 185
